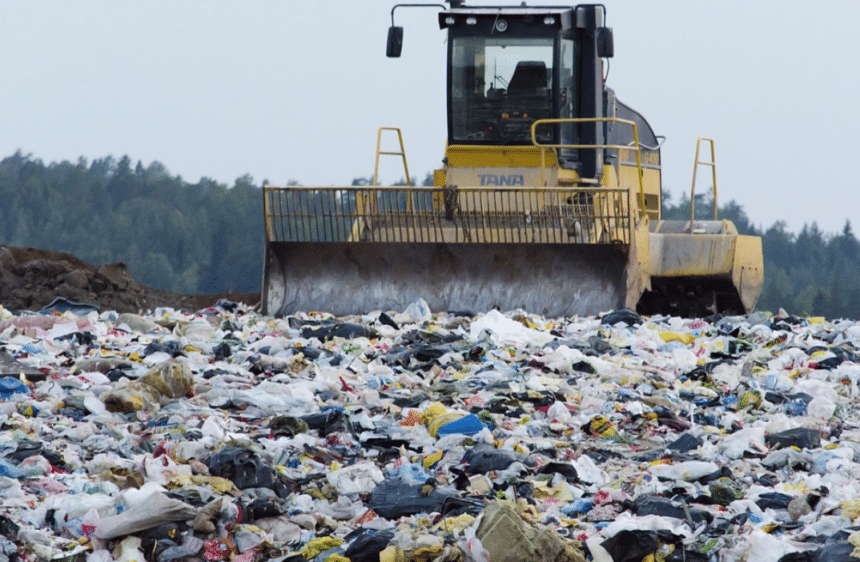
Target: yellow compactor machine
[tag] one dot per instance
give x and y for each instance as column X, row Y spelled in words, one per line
column 549, row 198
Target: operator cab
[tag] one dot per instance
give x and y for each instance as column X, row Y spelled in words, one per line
column 501, row 77
column 508, row 67
column 511, row 67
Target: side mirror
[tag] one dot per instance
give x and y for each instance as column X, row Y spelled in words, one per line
column 395, row 41
column 605, row 43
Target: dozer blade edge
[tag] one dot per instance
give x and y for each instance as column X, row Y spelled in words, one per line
column 353, row 278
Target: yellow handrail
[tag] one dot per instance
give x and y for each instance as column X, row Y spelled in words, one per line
column 466, row 214
column 402, row 153
column 635, row 146
column 713, row 165
column 267, row 216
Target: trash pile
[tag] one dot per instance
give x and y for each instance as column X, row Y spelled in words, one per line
column 223, row 434
column 30, row 278
column 35, row 278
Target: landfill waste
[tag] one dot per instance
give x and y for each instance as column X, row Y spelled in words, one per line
column 508, row 536
column 426, row 436
column 163, row 382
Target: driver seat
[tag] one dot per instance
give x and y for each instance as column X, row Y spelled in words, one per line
column 530, row 77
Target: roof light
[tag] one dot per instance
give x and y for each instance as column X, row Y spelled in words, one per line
column 449, row 20
column 471, row 20
column 549, row 20
column 501, row 25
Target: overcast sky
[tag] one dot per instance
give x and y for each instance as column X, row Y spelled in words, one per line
column 287, row 90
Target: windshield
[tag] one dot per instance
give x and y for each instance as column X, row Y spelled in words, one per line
column 499, row 86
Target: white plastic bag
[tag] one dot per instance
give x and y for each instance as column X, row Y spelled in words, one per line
column 359, row 478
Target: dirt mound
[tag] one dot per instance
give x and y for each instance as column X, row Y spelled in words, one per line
column 31, row 278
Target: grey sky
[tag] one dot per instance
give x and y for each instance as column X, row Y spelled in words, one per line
column 285, row 90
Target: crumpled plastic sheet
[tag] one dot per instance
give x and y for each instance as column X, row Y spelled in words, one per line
column 225, row 435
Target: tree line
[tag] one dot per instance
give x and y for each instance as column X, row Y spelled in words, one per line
column 207, row 237
column 204, row 237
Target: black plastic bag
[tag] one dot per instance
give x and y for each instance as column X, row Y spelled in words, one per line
column 172, row 348
column 345, row 330
column 222, row 350
column 653, row 505
column 484, row 457
column 773, row 500
column 326, row 422
column 631, row 546
column 395, row 498
column 802, row 437
column 621, row 315
column 263, row 507
column 685, row 443
column 565, row 469
column 833, row 552
column 368, row 544
column 242, row 467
